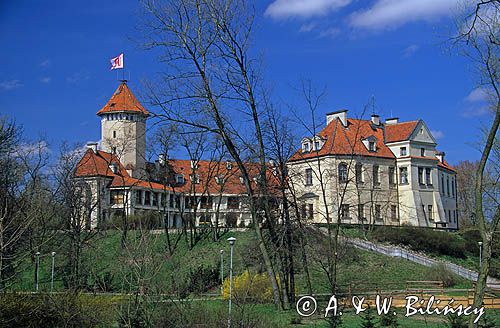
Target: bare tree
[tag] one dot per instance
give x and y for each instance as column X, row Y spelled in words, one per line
column 478, row 36
column 211, row 81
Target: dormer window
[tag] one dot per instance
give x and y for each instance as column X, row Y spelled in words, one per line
column 180, row 179
column 229, row 165
column 370, row 143
column 219, row 179
column 195, row 178
column 306, row 147
column 317, row 145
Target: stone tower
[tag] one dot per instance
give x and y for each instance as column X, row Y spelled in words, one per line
column 123, row 129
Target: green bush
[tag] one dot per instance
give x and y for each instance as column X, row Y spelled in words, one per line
column 418, row 239
column 440, row 272
column 53, row 310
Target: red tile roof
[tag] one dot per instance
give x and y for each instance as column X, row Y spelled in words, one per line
column 399, row 131
column 97, row 164
column 123, row 100
column 447, row 166
column 341, row 140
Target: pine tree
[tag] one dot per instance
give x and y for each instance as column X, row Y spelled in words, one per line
column 389, row 320
column 368, row 319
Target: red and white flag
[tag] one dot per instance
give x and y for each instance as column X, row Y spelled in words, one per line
column 117, row 62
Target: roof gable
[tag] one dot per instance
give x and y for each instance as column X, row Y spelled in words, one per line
column 422, row 134
column 399, row 131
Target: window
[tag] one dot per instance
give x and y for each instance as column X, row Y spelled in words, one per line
column 307, row 211
column 442, row 184
column 428, row 176
column 117, row 197
column 394, row 213
column 361, row 212
column 449, row 215
column 310, row 211
column 448, row 186
column 154, row 198
column 342, row 172
column 371, row 145
column 138, row 197
column 422, row 152
column 359, row 173
column 344, row 211
column 403, row 175
column 392, row 172
column 453, row 187
column 378, row 213
column 147, row 198
column 421, row 175
column 402, row 151
column 219, row 179
column 207, row 202
column 180, row 179
column 316, row 145
column 309, row 177
column 306, row 147
column 376, row 180
column 429, row 212
column 233, row 203
column 114, row 134
column 113, row 150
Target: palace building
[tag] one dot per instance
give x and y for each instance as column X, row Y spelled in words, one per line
column 363, row 171
column 373, row 172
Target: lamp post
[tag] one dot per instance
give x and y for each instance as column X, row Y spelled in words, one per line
column 52, row 272
column 231, row 241
column 37, row 266
column 222, row 271
column 480, row 254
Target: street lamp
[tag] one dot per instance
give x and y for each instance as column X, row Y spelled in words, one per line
column 480, row 254
column 52, row 273
column 37, row 266
column 222, row 271
column 231, row 241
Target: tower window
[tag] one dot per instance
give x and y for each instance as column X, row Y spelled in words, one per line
column 114, row 134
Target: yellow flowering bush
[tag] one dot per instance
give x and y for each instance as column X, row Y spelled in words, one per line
column 254, row 287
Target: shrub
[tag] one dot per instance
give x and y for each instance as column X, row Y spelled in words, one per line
column 418, row 239
column 56, row 310
column 440, row 272
column 248, row 286
column 388, row 320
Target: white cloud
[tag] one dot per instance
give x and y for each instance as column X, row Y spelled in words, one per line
column 437, row 134
column 10, row 85
column 477, row 95
column 476, row 111
column 45, row 63
column 410, row 50
column 78, row 77
column 387, row 14
column 280, row 9
column 46, row 79
column 307, row 27
column 330, row 32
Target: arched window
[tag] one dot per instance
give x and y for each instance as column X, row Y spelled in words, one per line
column 342, row 172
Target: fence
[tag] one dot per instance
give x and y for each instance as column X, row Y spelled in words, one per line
column 395, row 251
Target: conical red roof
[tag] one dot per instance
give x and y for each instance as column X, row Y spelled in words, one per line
column 123, row 100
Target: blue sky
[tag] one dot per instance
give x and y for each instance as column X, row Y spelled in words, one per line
column 55, row 62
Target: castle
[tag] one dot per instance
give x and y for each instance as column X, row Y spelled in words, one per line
column 366, row 171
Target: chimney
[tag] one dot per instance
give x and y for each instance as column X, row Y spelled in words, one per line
column 394, row 120
column 93, row 146
column 376, row 119
column 341, row 114
column 440, row 156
